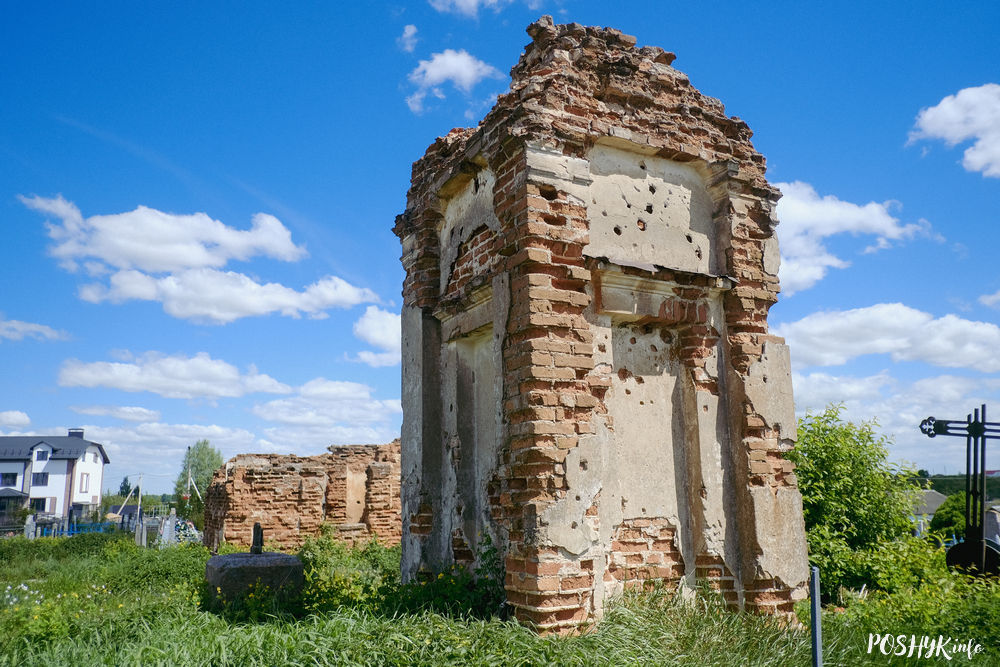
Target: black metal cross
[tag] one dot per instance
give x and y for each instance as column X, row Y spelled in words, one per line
column 976, row 552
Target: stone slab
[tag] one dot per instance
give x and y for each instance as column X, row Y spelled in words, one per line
column 231, row 577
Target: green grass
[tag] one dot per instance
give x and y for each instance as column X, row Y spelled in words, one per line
column 145, row 608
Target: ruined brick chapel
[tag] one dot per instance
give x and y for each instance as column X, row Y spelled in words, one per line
column 588, row 376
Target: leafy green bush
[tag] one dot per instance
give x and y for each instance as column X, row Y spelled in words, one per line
column 367, row 577
column 478, row 593
column 127, row 567
column 848, row 485
column 952, row 605
column 22, row 550
column 902, row 564
column 949, row 519
column 855, row 502
column 891, row 566
column 337, row 575
column 88, row 544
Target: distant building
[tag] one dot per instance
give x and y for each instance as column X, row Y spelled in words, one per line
column 55, row 475
column 928, row 502
column 992, row 473
column 124, row 510
column 991, row 524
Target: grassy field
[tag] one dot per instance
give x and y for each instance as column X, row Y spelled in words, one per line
column 99, row 600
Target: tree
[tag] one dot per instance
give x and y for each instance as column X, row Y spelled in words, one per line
column 201, row 461
column 848, row 485
column 125, row 487
column 949, row 519
column 853, row 499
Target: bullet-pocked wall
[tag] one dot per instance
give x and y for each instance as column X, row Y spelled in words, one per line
column 588, row 376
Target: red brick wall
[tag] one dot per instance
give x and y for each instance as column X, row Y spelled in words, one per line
column 292, row 496
column 644, row 551
column 475, row 257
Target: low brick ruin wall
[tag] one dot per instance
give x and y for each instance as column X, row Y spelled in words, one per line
column 355, row 488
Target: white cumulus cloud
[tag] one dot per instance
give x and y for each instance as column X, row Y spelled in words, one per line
column 324, row 412
column 814, row 391
column 155, row 242
column 971, row 114
column 381, row 329
column 460, row 68
column 990, row 300
column 177, row 260
column 832, row 338
column 899, row 407
column 156, row 450
column 14, row 418
column 219, row 297
column 125, row 412
column 18, row 330
column 174, row 376
column 468, row 8
column 807, row 219
column 322, row 402
column 408, row 40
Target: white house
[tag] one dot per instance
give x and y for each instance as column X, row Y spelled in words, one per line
column 55, row 475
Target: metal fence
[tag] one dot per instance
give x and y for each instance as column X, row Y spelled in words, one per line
column 162, row 531
column 69, row 529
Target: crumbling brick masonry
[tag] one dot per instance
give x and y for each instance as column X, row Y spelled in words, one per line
column 588, row 376
column 354, row 488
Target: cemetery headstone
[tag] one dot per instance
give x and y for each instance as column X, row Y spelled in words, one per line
column 232, row 577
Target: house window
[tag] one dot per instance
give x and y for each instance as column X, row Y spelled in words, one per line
column 84, row 482
column 42, row 455
column 38, row 504
column 8, row 479
column 95, row 458
column 39, row 479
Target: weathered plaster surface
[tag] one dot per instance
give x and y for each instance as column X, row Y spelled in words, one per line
column 769, row 390
column 648, row 209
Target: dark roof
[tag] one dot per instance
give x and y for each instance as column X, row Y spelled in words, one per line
column 12, row 493
column 18, row 447
column 929, row 501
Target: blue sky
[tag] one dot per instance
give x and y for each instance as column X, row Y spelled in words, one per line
column 197, row 204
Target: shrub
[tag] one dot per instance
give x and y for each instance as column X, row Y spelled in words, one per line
column 338, row 575
column 952, row 605
column 949, row 519
column 478, row 593
column 367, row 577
column 127, row 567
column 854, row 501
column 88, row 544
column 848, row 485
column 22, row 550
